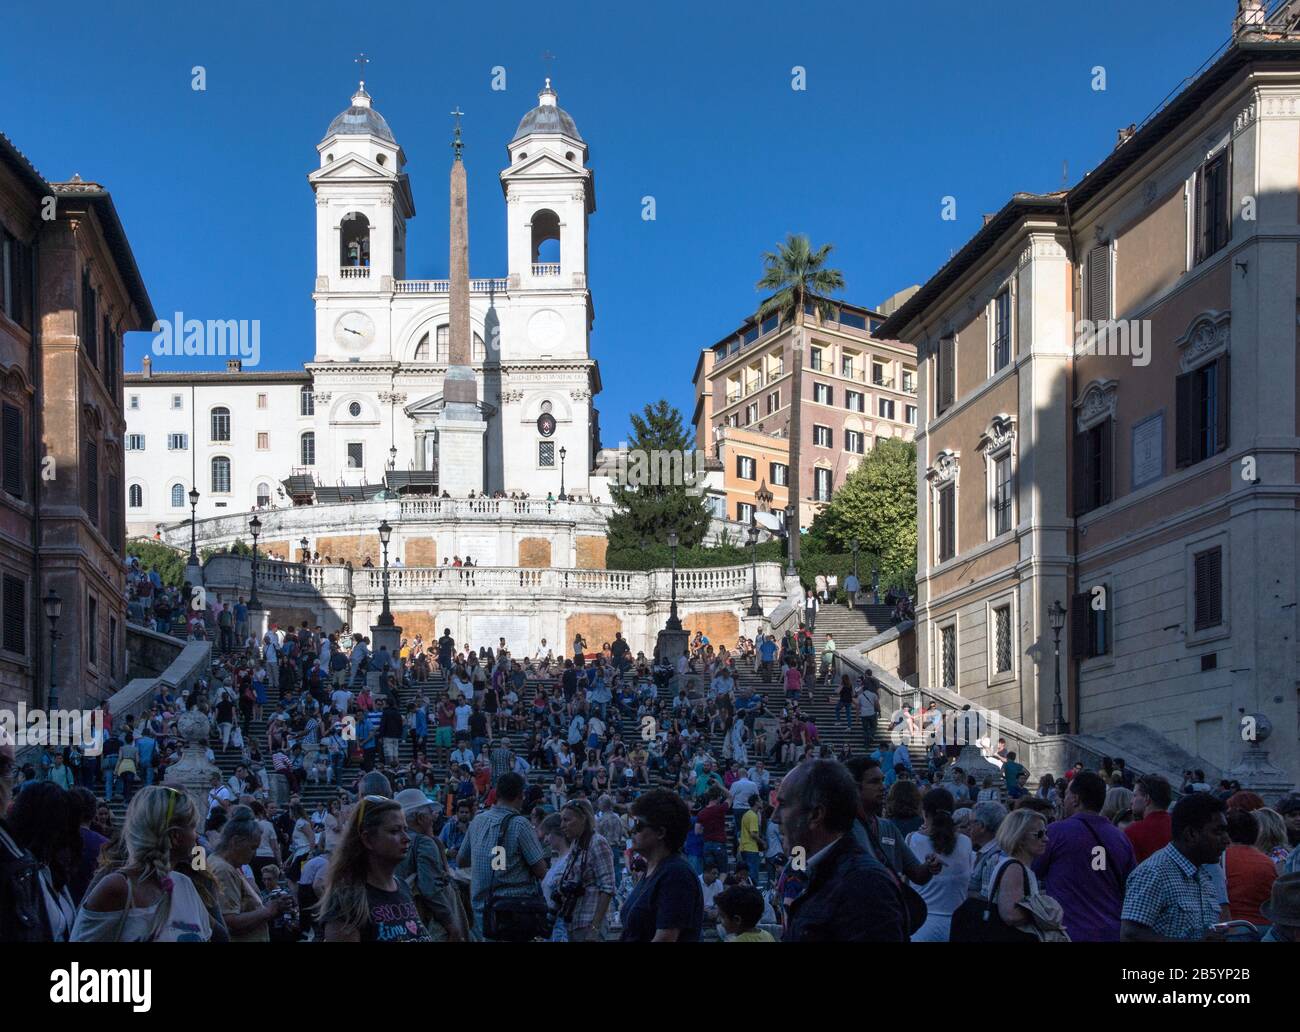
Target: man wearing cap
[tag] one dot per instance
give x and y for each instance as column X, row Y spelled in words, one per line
column 425, row 869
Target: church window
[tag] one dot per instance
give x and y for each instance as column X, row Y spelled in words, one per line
column 569, row 155
column 263, row 494
column 354, row 409
column 546, row 454
column 546, row 406
column 221, row 475
column 422, row 350
column 479, row 352
column 444, row 343
column 307, row 449
column 135, row 496
column 221, row 423
column 354, row 240
column 382, row 159
column 356, row 455
column 546, row 238
column 178, row 496
column 306, row 402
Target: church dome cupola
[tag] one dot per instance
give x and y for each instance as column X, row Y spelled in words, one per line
column 361, row 119
column 547, row 118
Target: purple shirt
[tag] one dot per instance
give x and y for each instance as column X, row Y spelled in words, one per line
column 1086, row 881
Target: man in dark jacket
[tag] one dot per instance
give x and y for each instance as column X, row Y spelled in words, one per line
column 850, row 896
column 22, row 910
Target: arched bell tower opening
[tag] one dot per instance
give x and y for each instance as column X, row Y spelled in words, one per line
column 546, row 238
column 354, row 241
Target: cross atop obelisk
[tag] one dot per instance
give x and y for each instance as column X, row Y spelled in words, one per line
column 361, row 62
column 457, row 144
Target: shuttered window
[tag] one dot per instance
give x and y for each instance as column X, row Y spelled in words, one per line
column 11, row 451
column 92, row 482
column 948, row 656
column 1002, row 639
column 945, row 509
column 1203, row 412
column 1097, row 303
column 15, row 615
column 1093, row 467
column 1213, row 211
column 1208, row 568
column 946, row 375
column 1089, row 626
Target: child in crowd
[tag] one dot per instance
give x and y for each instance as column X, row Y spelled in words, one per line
column 740, row 908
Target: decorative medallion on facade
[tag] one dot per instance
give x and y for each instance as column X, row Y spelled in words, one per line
column 945, row 468
column 1207, row 338
column 1000, row 432
column 1096, row 404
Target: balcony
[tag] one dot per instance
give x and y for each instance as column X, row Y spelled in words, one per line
column 546, row 268
column 354, row 272
column 883, row 381
column 442, row 286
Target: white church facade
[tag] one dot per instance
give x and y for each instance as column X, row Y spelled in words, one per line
column 365, row 416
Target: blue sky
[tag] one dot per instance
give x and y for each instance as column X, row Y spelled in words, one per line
column 691, row 103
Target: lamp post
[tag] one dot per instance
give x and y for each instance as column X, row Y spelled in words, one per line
column 392, row 457
column 754, row 608
column 305, row 554
column 53, row 610
column 792, row 541
column 194, row 507
column 385, row 532
column 254, row 528
column 1056, row 617
column 673, row 623
column 563, row 498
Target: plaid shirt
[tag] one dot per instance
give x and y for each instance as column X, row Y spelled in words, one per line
column 595, row 866
column 522, row 850
column 1171, row 895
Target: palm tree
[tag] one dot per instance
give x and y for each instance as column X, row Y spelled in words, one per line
column 796, row 274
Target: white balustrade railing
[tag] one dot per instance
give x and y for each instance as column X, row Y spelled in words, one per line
column 443, row 286
column 354, row 272
column 232, row 572
column 546, row 268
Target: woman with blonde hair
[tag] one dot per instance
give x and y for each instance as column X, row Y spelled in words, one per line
column 363, row 901
column 1272, row 840
column 1022, row 837
column 587, row 883
column 152, row 887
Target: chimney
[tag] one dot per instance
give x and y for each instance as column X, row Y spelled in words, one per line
column 234, row 365
column 146, row 367
column 1251, row 17
column 1124, row 135
column 989, row 218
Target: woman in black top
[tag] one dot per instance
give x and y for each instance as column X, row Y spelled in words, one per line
column 667, row 904
column 363, row 901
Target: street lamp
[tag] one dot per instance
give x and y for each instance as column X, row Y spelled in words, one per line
column 385, row 532
column 562, row 454
column 673, row 623
column 1056, row 618
column 754, row 608
column 254, row 528
column 194, row 505
column 392, row 457
column 305, row 554
column 53, row 610
column 792, row 541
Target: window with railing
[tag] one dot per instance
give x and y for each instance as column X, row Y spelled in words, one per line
column 823, row 481
column 221, row 424
column 1001, row 330
column 909, row 381
column 854, row 441
column 846, row 366
column 773, row 402
column 815, row 359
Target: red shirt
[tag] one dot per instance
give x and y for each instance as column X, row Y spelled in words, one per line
column 1150, row 834
column 713, row 822
column 1250, row 875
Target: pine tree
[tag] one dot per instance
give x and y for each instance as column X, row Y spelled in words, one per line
column 646, row 512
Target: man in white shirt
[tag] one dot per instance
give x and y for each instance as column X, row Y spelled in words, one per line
column 463, row 755
column 271, row 657
column 741, row 791
column 868, row 712
column 721, row 684
column 543, row 654
column 463, row 712
column 340, row 699
column 711, row 885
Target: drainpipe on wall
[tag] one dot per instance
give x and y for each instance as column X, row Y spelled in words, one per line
column 36, row 611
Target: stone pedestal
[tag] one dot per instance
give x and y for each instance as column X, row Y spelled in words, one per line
column 382, row 634
column 193, row 773
column 460, row 455
column 194, row 573
column 1258, row 774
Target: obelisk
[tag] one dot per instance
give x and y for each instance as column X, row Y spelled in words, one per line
column 461, row 428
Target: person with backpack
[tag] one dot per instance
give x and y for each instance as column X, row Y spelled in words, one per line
column 507, row 865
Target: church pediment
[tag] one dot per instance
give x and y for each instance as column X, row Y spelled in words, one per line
column 350, row 167
column 545, row 163
column 431, row 406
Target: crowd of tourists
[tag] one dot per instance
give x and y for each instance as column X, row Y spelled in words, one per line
column 468, row 794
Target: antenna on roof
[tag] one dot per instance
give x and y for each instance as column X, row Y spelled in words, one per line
column 1065, row 175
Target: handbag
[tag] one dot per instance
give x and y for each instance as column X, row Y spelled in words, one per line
column 978, row 920
column 915, row 906
column 514, row 918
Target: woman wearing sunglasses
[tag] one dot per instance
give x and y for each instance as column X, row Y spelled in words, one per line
column 1023, row 838
column 362, row 900
column 667, row 904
